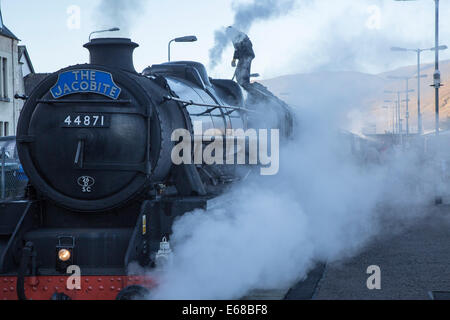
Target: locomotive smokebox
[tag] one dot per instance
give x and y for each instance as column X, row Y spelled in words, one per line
column 112, row 52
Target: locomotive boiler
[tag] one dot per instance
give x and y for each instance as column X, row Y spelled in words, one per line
column 95, row 141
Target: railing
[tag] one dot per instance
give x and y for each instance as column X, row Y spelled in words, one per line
column 13, row 180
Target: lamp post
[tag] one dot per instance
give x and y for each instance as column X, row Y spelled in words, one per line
column 181, row 39
column 100, row 31
column 437, row 75
column 419, row 76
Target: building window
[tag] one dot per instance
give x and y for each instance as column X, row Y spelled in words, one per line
column 5, row 77
column 4, row 129
column 1, row 80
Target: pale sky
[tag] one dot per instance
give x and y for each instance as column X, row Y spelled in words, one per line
column 316, row 35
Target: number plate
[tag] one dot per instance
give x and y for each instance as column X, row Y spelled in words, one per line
column 81, row 120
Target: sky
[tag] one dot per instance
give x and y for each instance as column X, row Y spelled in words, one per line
column 315, row 35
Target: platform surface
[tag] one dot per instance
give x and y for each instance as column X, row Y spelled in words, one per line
column 414, row 260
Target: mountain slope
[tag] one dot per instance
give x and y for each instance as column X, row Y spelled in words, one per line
column 364, row 95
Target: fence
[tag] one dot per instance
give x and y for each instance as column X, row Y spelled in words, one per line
column 13, row 180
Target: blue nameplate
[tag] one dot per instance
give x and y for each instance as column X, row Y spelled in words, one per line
column 88, row 80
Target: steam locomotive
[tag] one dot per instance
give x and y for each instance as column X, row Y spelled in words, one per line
column 95, row 141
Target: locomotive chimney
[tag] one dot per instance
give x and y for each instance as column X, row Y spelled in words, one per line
column 112, row 52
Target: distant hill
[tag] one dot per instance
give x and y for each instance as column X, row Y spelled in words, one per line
column 365, row 93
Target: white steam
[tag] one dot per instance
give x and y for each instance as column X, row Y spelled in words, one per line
column 269, row 231
column 119, row 13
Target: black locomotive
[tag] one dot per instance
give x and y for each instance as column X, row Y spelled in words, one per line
column 95, row 141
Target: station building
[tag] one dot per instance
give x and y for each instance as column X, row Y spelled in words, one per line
column 15, row 63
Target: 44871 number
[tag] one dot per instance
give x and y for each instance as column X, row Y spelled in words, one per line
column 86, row 121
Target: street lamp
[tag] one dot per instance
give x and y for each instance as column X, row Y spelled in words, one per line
column 100, row 31
column 437, row 74
column 181, row 39
column 418, row 51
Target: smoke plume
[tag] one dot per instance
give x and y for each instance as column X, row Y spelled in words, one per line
column 248, row 13
column 245, row 15
column 119, row 13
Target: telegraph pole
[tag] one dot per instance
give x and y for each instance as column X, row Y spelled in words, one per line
column 437, row 74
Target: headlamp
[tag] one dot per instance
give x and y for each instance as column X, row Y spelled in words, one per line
column 64, row 255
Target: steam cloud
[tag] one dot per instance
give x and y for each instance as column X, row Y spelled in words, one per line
column 119, row 13
column 245, row 14
column 269, row 232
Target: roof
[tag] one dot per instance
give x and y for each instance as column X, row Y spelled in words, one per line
column 1, row 19
column 24, row 52
column 4, row 31
column 32, row 80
